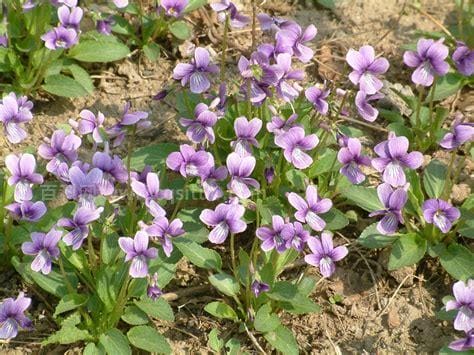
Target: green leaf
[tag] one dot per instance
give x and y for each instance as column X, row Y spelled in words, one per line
column 62, row 85
column 297, row 178
column 265, row 321
column 214, row 342
column 195, row 230
column 325, row 162
column 233, row 346
column 445, row 350
column 291, row 299
column 372, row 239
column 328, row 4
column 225, row 284
column 68, row 333
column 148, row 339
column 180, row 30
column 363, row 197
column 157, row 309
column 335, row 219
column 446, row 86
column 134, row 316
column 457, row 260
column 466, row 223
column 283, row 340
column 198, row 255
column 69, row 302
column 408, row 249
column 194, row 5
column 268, row 208
column 81, row 76
column 434, row 178
column 152, row 51
column 115, row 343
column 92, row 349
column 221, row 310
column 153, row 155
column 99, row 51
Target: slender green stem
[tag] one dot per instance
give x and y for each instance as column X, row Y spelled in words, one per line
column 91, row 252
column 63, row 273
column 232, row 254
column 130, row 195
column 224, row 47
column 461, row 20
column 121, row 301
column 432, row 125
column 418, row 108
column 180, row 201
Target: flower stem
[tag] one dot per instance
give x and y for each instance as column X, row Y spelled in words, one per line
column 232, row 254
column 131, row 199
column 418, row 108
column 121, row 300
column 224, row 47
column 432, row 126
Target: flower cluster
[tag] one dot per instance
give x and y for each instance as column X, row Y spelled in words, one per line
column 66, row 34
column 464, row 321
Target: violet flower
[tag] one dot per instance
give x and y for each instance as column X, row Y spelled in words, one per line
column 269, row 174
column 324, row 255
column 393, row 157
column 113, row 171
column 429, row 60
column 351, row 158
column 62, row 149
column 120, row 3
column 188, row 162
column 240, row 168
column 104, row 26
column 22, row 169
column 298, row 238
column 441, row 214
column 270, row 23
column 308, row 211
column 70, row 18
column 317, row 97
column 365, row 110
column 258, row 287
column 227, row 8
column 246, row 131
column 138, row 252
column 45, row 248
column 294, row 144
column 14, row 112
column 201, row 128
column 366, row 69
column 78, row 225
column 463, row 57
column 209, row 179
column 197, row 72
column 461, row 132
column 84, row 186
column 153, row 291
column 27, row 210
column 162, row 230
column 12, row 316
column 464, row 304
column 276, row 236
column 131, row 118
column 284, row 89
column 173, row 8
column 393, row 201
column 464, row 344
column 151, row 189
column 278, row 125
column 4, row 41
column 90, row 123
column 225, row 219
column 291, row 40
column 60, row 37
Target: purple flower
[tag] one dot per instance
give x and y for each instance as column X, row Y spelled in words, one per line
column 173, row 8
column 104, row 26
column 60, row 37
column 151, row 189
column 22, row 169
column 12, row 316
column 196, row 73
column 246, row 132
column 464, row 304
column 298, row 237
column 201, row 128
column 240, row 169
column 162, row 230
column 441, row 214
column 130, row 118
column 462, row 132
column 259, row 287
column 138, row 252
column 429, row 60
column 4, row 41
column 45, row 248
column 70, row 3
column 366, row 69
column 188, row 162
column 84, row 186
column 291, row 40
column 393, row 201
column 120, row 3
column 294, row 144
column 365, row 110
column 79, row 225
column 237, row 20
column 153, row 291
column 27, row 210
column 276, row 236
column 269, row 174
column 14, row 112
column 393, row 157
column 351, row 158
column 259, row 75
column 212, row 190
column 307, row 211
column 285, row 73
column 278, row 125
column 113, row 171
column 318, row 97
column 324, row 255
column 90, row 123
column 61, row 150
column 70, row 18
column 464, row 344
column 463, row 57
column 270, row 23
column 225, row 219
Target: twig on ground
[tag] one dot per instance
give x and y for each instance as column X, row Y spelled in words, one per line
column 395, row 293
column 173, row 296
column 336, row 348
column 397, row 22
column 254, row 340
column 372, row 126
column 432, row 19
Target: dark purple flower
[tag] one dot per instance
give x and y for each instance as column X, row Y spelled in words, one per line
column 461, row 132
column 90, row 123
column 4, row 41
column 294, row 144
column 153, row 291
column 162, row 230
column 269, row 174
column 351, row 158
column 464, row 304
column 258, row 287
column 282, row 68
column 240, row 168
column 12, row 316
column 318, row 97
column 104, row 26
column 70, row 18
column 201, row 127
column 298, row 237
column 78, row 225
column 60, row 37
column 291, row 40
column 324, row 255
column 464, row 344
column 227, row 8
column 225, row 219
column 173, row 8
column 463, row 57
column 196, row 73
column 441, row 214
column 138, row 252
column 367, row 68
column 246, row 131
column 27, row 210
column 276, row 236
column 278, row 125
column 429, row 60
column 62, row 149
column 151, row 189
column 188, row 162
column 393, row 201
column 113, row 171
column 22, row 169
column 393, row 157
column 307, row 211
column 14, row 112
column 209, row 179
column 161, row 95
column 365, row 110
column 84, row 186
column 45, row 248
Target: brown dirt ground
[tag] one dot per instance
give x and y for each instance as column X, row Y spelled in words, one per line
column 380, row 312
